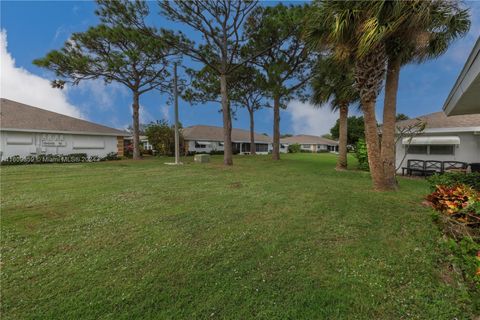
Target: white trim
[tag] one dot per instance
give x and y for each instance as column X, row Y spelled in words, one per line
column 68, row 132
column 443, row 140
column 465, row 80
column 474, row 130
column 203, row 143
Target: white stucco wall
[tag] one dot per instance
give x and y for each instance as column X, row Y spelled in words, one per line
column 215, row 146
column 467, row 151
column 29, row 143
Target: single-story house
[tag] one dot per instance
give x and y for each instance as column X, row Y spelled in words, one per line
column 143, row 142
column 206, row 139
column 464, row 98
column 444, row 138
column 311, row 143
column 26, row 130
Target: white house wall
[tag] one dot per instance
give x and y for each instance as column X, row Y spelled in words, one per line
column 467, row 151
column 23, row 144
column 216, row 146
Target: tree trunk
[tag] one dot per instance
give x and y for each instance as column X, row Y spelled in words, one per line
column 276, row 128
column 342, row 143
column 227, row 122
column 369, row 75
column 252, row 133
column 373, row 145
column 136, row 126
column 389, row 119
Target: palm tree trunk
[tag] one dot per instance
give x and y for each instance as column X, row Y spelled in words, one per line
column 373, row 145
column 276, row 128
column 369, row 74
column 252, row 132
column 136, row 126
column 227, row 123
column 342, row 143
column 389, row 119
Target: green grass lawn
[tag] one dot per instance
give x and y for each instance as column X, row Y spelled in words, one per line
column 267, row 240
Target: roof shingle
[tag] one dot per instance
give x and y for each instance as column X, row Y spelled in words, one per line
column 19, row 116
column 439, row 120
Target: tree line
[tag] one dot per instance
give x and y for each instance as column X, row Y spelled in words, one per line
column 336, row 53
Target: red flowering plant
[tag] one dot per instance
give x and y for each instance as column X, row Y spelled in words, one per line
column 459, row 202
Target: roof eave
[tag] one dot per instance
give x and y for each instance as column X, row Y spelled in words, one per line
column 68, row 132
column 465, row 82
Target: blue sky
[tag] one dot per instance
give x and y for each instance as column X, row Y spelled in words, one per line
column 31, row 29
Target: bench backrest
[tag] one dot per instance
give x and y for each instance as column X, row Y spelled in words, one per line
column 415, row 164
column 454, row 165
column 434, row 165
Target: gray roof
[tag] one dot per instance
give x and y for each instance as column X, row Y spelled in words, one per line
column 212, row 133
column 15, row 116
column 439, row 120
column 308, row 139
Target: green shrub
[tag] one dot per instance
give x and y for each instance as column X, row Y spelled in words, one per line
column 111, row 156
column 466, row 255
column 451, row 179
column 362, row 155
column 294, row 148
column 458, row 214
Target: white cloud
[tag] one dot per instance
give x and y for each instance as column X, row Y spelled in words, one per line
column 101, row 94
column 306, row 119
column 20, row 85
column 165, row 112
column 145, row 116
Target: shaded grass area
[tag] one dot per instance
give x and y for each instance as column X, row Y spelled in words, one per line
column 293, row 239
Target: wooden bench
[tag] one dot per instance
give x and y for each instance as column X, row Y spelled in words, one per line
column 429, row 167
column 455, row 166
column 414, row 165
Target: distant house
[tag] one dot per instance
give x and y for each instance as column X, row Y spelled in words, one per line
column 147, row 147
column 27, row 130
column 464, row 98
column 311, row 143
column 206, row 139
column 445, row 138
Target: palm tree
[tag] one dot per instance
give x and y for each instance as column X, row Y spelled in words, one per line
column 375, row 33
column 333, row 83
column 428, row 28
column 352, row 31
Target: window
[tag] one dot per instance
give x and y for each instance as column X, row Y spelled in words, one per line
column 199, row 146
column 431, row 149
column 261, row 147
column 438, row 149
column 416, row 149
column 306, row 146
column 220, row 144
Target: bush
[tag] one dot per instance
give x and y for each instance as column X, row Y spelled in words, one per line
column 466, row 255
column 111, row 156
column 454, row 200
column 362, row 155
column 451, row 179
column 294, row 148
column 128, row 150
column 161, row 135
column 459, row 209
